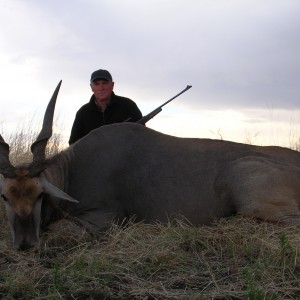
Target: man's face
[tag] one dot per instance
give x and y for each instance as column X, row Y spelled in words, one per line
column 102, row 89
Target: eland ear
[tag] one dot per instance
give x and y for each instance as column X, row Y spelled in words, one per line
column 54, row 191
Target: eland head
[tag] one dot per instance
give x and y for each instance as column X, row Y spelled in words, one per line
column 23, row 187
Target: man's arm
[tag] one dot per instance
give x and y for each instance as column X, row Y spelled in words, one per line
column 76, row 131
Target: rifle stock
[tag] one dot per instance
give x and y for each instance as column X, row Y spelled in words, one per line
column 156, row 111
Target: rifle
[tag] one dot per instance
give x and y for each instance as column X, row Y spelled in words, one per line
column 153, row 113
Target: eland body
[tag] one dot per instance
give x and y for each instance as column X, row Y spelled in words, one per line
column 122, row 170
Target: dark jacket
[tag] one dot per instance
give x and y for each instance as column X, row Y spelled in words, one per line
column 89, row 116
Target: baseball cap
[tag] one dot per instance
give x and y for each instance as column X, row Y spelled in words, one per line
column 101, row 74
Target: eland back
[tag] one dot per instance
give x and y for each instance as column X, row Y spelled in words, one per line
column 123, row 170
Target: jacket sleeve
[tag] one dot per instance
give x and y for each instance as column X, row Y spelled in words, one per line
column 135, row 113
column 76, row 131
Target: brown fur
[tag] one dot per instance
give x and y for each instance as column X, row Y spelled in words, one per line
column 22, row 193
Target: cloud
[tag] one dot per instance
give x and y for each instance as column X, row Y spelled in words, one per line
column 237, row 54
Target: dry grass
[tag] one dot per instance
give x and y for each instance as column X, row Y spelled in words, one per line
column 21, row 140
column 236, row 258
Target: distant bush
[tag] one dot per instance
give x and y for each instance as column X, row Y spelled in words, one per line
column 21, row 140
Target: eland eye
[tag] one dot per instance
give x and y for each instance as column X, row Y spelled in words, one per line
column 4, row 197
column 40, row 196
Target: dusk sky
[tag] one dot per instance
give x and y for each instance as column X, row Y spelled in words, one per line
column 240, row 56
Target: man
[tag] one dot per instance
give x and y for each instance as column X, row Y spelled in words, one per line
column 103, row 108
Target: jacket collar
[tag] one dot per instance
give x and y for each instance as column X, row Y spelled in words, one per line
column 111, row 102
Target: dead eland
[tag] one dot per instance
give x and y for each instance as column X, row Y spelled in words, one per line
column 126, row 169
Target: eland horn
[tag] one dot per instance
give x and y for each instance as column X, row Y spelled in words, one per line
column 38, row 148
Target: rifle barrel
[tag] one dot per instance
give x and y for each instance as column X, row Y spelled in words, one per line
column 153, row 113
column 187, row 88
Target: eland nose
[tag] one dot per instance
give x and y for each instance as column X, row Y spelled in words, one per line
column 24, row 246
